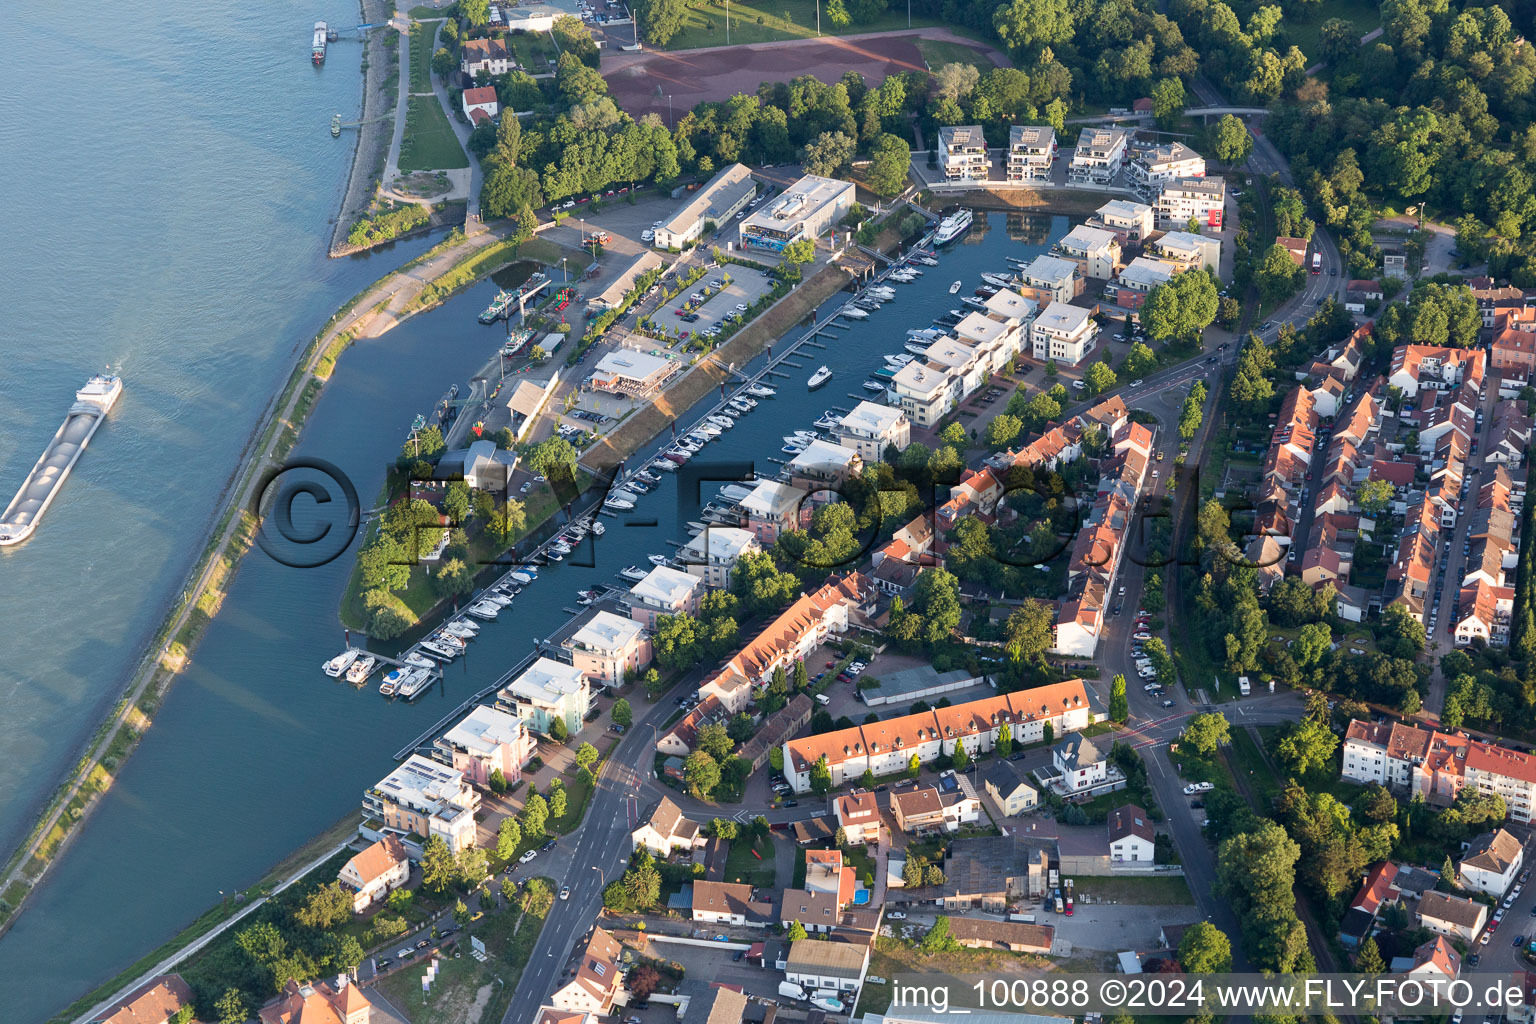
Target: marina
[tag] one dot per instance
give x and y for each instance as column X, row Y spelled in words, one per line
column 42, row 486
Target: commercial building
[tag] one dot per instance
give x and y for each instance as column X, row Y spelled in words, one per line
column 1096, row 251
column 548, row 690
column 1131, row 222
column 1014, row 936
column 807, row 209
column 963, row 153
column 486, row 741
column 1051, row 279
column 1156, row 165
column 609, row 648
column 1099, row 156
column 664, row 591
column 871, row 428
column 418, row 800
column 1063, row 333
column 1031, row 152
column 633, row 374
column 713, row 554
column 375, row 872
column 627, row 280
column 1183, row 199
column 726, row 195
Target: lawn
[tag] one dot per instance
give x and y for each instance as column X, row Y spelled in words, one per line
column 429, row 143
column 938, row 52
column 1363, row 14
column 1245, row 756
column 422, row 37
column 742, row 866
column 765, row 21
column 1157, row 891
column 535, row 51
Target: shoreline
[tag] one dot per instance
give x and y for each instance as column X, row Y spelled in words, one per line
column 372, row 139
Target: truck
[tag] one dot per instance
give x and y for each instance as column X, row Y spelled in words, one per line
column 1022, row 918
column 791, row 990
column 1317, row 263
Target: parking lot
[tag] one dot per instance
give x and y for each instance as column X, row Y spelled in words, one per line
column 744, row 288
column 718, row 966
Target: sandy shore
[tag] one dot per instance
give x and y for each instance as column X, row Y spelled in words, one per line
column 372, row 135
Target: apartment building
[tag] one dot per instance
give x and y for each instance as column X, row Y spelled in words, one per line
column 1436, row 367
column 822, row 468
column 548, row 690
column 1063, row 333
column 1051, row 279
column 1099, row 156
column 807, row 209
column 1190, row 250
column 1082, row 764
column 1183, row 199
column 963, row 153
column 421, row 798
column 486, row 741
column 926, row 811
column 1096, row 251
column 886, row 746
column 926, row 394
column 664, row 591
column 1031, row 152
column 774, row 507
column 1156, row 165
column 1436, row 765
column 609, row 648
column 713, row 554
column 1131, row 838
column 858, row 815
column 872, row 428
column 1131, row 222
column 1137, row 279
column 1491, row 863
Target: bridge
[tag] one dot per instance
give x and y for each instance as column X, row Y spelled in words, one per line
column 1205, row 112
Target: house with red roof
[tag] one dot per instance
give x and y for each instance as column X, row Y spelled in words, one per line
column 481, row 105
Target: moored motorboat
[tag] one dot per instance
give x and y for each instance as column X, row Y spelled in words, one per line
column 339, row 664
column 361, row 669
column 598, row 529
column 633, row 573
column 391, row 680
column 873, row 386
column 828, row 420
column 658, row 559
column 820, row 377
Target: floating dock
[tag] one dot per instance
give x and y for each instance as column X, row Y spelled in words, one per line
column 92, row 403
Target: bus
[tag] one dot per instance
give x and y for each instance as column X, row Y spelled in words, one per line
column 1317, row 263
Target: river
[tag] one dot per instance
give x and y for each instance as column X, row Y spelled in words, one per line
column 196, row 263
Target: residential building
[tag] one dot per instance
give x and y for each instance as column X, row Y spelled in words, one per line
column 1131, row 839
column 807, row 209
column 772, row 508
column 1513, row 350
column 771, row 734
column 1099, row 156
column 1137, row 279
column 1051, row 279
column 871, row 428
column 817, row 964
column 375, row 872
column 1081, row 763
column 963, row 153
column 666, row 832
column 1436, row 765
column 1096, row 251
column 154, row 1002
column 925, row 811
column 633, row 374
column 1063, row 333
column 1190, row 250
column 816, row 911
column 1131, row 222
column 599, row 979
column 822, row 468
column 1436, row 959
column 609, row 648
column 825, row 872
column 331, row 1002
column 1202, row 200
column 678, row 741
column 421, row 799
column 484, row 742
column 726, row 195
column 713, row 554
column 1009, row 787
column 1455, row 917
column 1031, row 152
column 858, row 815
column 548, row 690
column 886, row 746
column 1157, row 165
column 481, row 105
column 926, row 394
column 488, row 55
column 1491, row 863
column 664, row 591
column 1435, row 367
column 729, row 903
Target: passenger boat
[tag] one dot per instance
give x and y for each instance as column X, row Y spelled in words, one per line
column 881, row 292
column 899, row 360
column 498, row 309
column 619, row 505
column 361, row 669
column 916, row 349
column 664, row 464
column 952, row 227
column 418, row 660
column 523, row 576
column 464, row 628
column 343, row 661
column 887, row 372
column 820, row 377
column 482, row 610
column 441, row 650
column 317, row 45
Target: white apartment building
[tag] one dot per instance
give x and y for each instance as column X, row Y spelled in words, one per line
column 1051, row 279
column 1031, row 151
column 871, row 427
column 1095, row 250
column 963, row 153
column 1437, row 765
column 422, row 798
column 1131, row 222
column 1178, row 200
column 1203, row 251
column 713, row 554
column 1152, row 167
column 1063, row 333
column 548, row 690
column 1099, row 156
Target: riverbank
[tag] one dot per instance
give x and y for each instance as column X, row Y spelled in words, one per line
column 419, row 285
column 373, row 134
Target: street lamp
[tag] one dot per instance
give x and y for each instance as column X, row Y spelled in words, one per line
column 602, row 879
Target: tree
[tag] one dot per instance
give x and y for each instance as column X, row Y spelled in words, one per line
column 534, row 816
column 890, row 158
column 453, row 577
column 622, row 714
column 558, row 730
column 231, row 1007
column 960, row 760
column 1232, row 142
column 723, row 828
column 1205, row 949
column 1139, row 361
column 829, row 153
column 498, row 781
column 662, row 19
column 938, row 939
column 800, row 251
column 553, row 458
column 1004, row 745
column 1306, row 745
column 1368, row 960
column 914, row 767
column 643, row 982
column 702, row 773
column 821, row 776
column 557, row 802
column 1277, row 276
column 796, row 931
column 1027, row 25
column 508, row 835
column 1168, row 101
column 586, row 756
column 1119, row 704
column 437, row 865
column 325, row 907
column 1099, row 378
column 1256, row 873
column 715, row 741
column 1205, row 732
column 1047, row 733
column 1373, row 496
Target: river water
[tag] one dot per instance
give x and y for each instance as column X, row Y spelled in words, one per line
column 184, row 241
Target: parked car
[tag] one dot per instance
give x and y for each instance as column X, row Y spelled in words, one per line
column 896, row 915
column 1198, row 787
column 525, row 858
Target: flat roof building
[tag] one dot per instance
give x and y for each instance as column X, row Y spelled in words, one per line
column 1132, row 222
column 1031, row 151
column 807, row 209
column 871, row 427
column 422, row 798
column 713, row 554
column 963, row 153
column 727, row 194
column 1063, row 333
column 485, row 741
column 1099, row 156
column 1183, row 199
column 547, row 690
column 664, row 591
column 609, row 647
column 627, row 372
column 1051, row 279
column 1095, row 250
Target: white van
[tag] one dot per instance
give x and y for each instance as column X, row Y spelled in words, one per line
column 823, row 699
